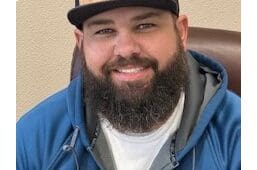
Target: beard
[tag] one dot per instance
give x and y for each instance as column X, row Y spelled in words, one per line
column 137, row 107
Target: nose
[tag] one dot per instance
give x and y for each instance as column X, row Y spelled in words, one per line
column 126, row 46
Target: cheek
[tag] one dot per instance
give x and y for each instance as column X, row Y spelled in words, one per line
column 162, row 49
column 96, row 56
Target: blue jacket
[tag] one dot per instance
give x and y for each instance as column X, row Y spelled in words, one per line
column 54, row 134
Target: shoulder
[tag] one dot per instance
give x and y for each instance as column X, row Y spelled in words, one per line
column 41, row 133
column 230, row 107
column 46, row 110
column 42, row 130
column 228, row 113
column 224, row 131
column 227, row 120
column 54, row 108
column 45, row 118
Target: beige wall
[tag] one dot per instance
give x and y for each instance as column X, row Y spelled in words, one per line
column 45, row 42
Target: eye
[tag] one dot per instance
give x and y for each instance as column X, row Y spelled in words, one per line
column 145, row 26
column 105, row 31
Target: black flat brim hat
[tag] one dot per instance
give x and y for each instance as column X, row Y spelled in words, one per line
column 85, row 9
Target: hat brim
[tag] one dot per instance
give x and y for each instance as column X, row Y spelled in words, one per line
column 81, row 13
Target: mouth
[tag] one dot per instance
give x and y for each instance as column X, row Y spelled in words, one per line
column 132, row 70
column 131, row 73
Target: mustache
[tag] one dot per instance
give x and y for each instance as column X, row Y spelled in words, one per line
column 137, row 61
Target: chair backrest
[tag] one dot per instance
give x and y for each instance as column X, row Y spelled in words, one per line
column 221, row 45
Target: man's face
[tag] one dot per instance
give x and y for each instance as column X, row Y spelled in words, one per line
column 134, row 66
column 113, row 39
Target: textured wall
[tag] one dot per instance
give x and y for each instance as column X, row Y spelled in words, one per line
column 44, row 46
column 213, row 13
column 45, row 42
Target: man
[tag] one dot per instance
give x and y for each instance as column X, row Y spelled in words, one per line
column 141, row 101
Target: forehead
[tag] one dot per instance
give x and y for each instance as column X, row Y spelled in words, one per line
column 128, row 13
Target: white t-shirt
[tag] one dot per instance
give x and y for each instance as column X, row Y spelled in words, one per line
column 137, row 151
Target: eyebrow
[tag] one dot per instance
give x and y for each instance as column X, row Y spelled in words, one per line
column 98, row 22
column 146, row 16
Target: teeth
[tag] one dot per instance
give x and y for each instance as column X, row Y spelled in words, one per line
column 130, row 70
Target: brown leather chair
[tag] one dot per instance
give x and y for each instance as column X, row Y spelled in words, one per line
column 222, row 45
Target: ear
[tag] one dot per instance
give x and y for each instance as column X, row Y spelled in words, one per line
column 79, row 37
column 182, row 25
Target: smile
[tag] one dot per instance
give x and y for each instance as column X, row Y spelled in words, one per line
column 130, row 70
column 132, row 73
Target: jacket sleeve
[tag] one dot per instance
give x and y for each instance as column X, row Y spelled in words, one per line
column 21, row 148
column 226, row 133
column 30, row 141
column 234, row 148
column 25, row 149
column 231, row 129
column 236, row 154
